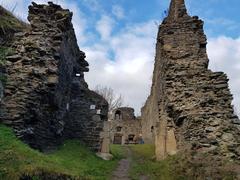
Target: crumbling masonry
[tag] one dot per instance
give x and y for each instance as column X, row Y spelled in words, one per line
column 189, row 107
column 46, row 99
column 125, row 128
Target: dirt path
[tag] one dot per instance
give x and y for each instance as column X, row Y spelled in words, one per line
column 121, row 173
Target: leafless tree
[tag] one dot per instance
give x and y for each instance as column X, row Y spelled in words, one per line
column 108, row 93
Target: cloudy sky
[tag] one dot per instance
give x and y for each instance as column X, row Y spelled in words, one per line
column 119, row 36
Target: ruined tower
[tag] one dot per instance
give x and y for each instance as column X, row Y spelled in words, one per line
column 189, row 105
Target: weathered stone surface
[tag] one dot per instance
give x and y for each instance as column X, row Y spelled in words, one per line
column 186, row 98
column 14, row 58
column 45, row 101
column 1, row 91
column 125, row 128
column 105, row 135
column 105, row 156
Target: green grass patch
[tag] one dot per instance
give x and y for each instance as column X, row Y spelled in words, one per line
column 72, row 159
column 8, row 22
column 144, row 164
column 183, row 166
column 117, row 151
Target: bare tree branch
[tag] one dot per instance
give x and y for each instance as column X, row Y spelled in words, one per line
column 114, row 101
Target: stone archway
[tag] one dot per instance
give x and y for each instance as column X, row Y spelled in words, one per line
column 131, row 137
column 118, row 115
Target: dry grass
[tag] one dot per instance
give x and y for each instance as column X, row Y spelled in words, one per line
column 8, row 21
column 9, row 24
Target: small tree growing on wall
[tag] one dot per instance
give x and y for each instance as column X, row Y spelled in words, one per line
column 114, row 100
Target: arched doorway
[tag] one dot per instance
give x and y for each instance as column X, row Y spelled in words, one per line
column 117, row 138
column 131, row 139
column 118, row 115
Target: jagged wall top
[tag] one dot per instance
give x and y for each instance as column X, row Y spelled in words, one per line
column 41, row 16
column 177, row 10
column 46, row 99
column 53, row 18
column 190, row 106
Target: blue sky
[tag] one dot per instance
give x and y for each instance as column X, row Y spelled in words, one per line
column 118, row 37
column 221, row 16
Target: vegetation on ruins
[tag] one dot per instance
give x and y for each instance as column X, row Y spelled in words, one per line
column 46, row 71
column 177, row 167
column 71, row 159
column 55, row 126
column 9, row 23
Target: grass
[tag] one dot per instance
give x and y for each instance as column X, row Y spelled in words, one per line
column 72, row 159
column 144, row 164
column 178, row 167
column 9, row 23
column 117, row 151
column 75, row 161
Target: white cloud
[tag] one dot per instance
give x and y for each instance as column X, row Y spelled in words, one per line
column 227, row 23
column 93, row 5
column 20, row 8
column 79, row 20
column 105, row 26
column 224, row 55
column 129, row 73
column 118, row 11
column 134, row 48
column 129, row 69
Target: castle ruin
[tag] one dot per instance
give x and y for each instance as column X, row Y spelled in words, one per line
column 189, row 108
column 125, row 128
column 46, row 99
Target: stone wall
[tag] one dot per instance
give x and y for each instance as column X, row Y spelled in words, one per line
column 190, row 106
column 46, row 97
column 149, row 116
column 9, row 25
column 124, row 126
